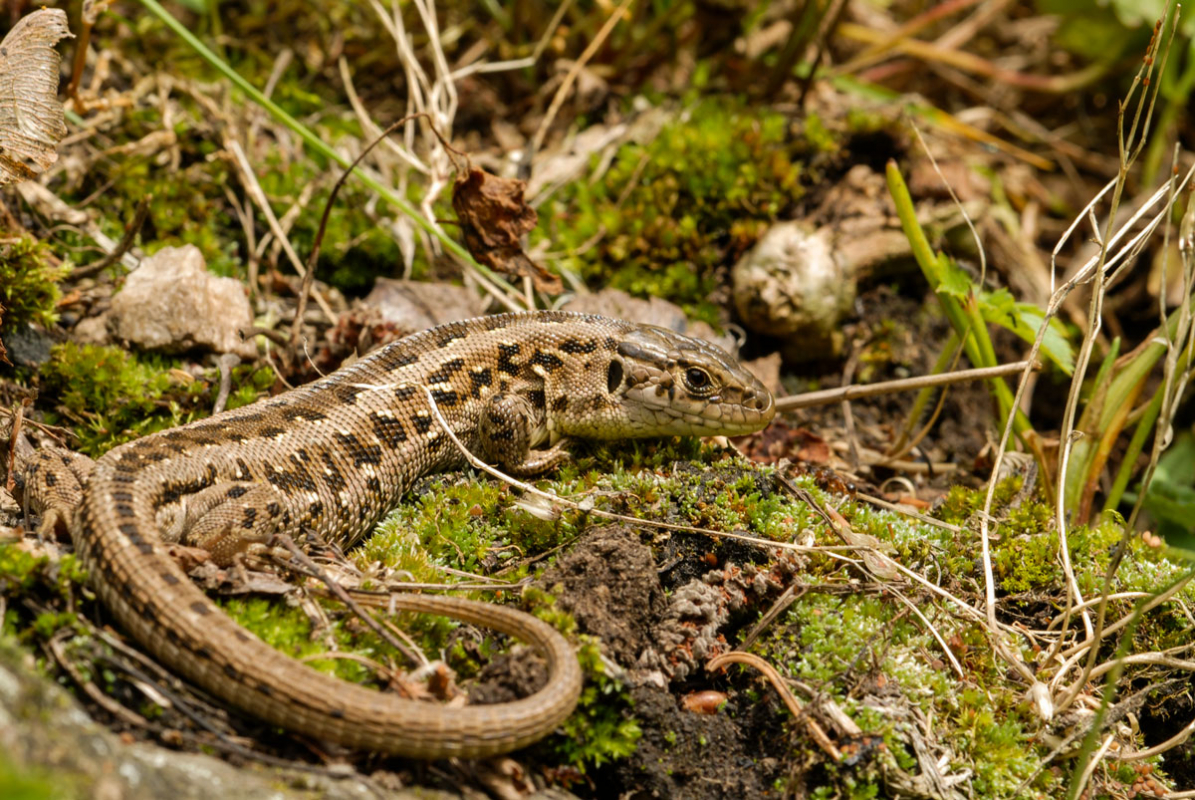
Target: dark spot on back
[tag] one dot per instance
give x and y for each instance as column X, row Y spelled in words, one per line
column 549, row 361
column 404, row 393
column 505, row 361
column 573, row 347
column 446, row 371
column 395, row 356
column 308, row 414
column 423, row 423
column 201, row 608
column 446, row 399
column 479, row 378
column 360, row 453
column 50, row 479
column 347, row 393
column 331, row 474
column 237, row 491
column 389, row 430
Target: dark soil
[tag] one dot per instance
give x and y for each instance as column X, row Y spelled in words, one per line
column 611, row 583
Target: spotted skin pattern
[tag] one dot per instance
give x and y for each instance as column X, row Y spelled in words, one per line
column 333, row 456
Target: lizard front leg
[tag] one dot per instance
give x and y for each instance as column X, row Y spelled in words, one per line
column 505, row 427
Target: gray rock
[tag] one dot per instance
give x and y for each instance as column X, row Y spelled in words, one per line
column 653, row 311
column 28, row 345
column 418, row 305
column 172, row 304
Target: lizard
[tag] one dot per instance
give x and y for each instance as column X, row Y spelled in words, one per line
column 331, row 457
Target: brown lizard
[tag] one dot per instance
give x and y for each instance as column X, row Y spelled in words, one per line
column 333, row 456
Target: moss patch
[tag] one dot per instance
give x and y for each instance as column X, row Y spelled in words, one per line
column 655, row 225
column 29, row 282
column 108, row 396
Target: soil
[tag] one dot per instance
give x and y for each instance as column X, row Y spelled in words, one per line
column 611, row 584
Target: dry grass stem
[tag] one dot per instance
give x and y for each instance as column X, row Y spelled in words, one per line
column 790, row 701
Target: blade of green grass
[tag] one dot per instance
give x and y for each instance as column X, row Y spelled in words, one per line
column 956, row 296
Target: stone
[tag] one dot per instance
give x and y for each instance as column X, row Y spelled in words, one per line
column 172, row 304
column 795, row 285
column 417, row 305
column 652, row 311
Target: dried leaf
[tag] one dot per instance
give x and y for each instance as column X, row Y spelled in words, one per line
column 31, row 119
column 493, row 217
column 93, row 8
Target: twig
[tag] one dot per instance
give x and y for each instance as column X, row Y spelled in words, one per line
column 345, row 598
column 122, row 247
column 259, row 197
column 794, row 705
column 537, row 141
column 313, row 257
column 856, row 391
column 225, row 362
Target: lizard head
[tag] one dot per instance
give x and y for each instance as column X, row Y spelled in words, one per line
column 660, row 383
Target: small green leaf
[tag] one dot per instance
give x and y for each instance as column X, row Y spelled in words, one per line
column 1025, row 319
column 952, row 279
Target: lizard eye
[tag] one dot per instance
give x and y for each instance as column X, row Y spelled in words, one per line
column 698, row 380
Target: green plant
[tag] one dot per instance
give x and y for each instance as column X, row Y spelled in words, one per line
column 970, row 308
column 109, row 396
column 657, row 224
column 29, row 282
column 602, row 728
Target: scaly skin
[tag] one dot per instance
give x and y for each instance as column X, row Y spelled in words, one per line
column 333, row 456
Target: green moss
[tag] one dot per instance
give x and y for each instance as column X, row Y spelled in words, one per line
column 657, row 224
column 289, row 630
column 602, row 728
column 468, row 526
column 108, row 396
column 24, row 783
column 29, row 282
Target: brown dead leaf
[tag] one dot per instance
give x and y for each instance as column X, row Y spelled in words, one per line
column 493, row 217
column 31, row 119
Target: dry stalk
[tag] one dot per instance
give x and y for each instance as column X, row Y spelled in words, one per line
column 855, row 391
column 1096, row 268
column 1129, row 148
column 435, row 97
column 790, row 701
column 537, row 141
